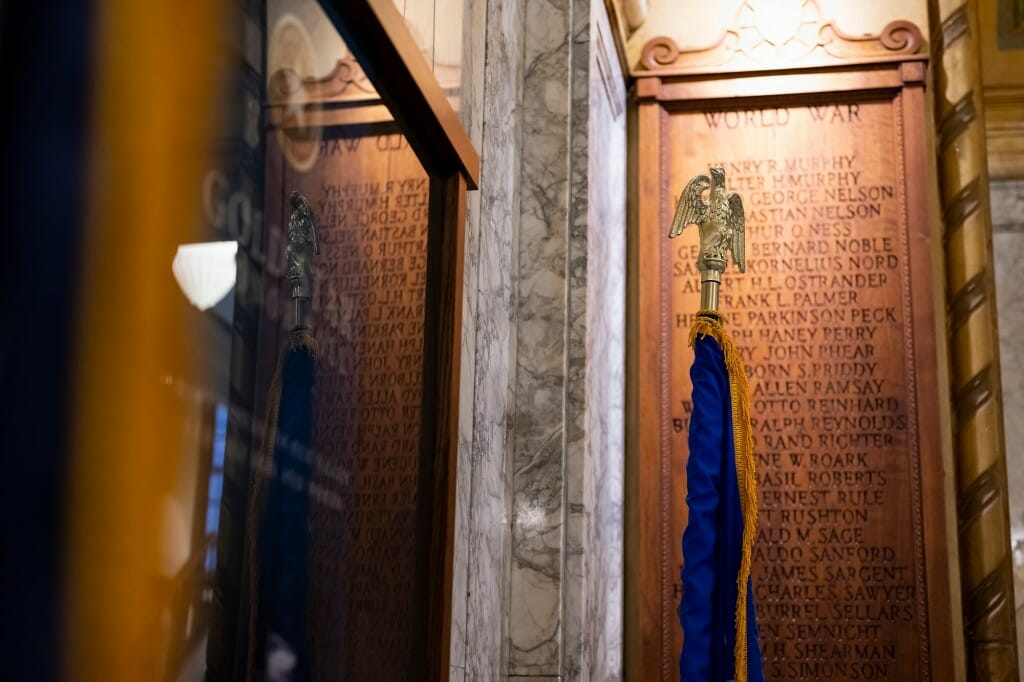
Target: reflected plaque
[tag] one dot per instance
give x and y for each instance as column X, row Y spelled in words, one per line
column 370, row 197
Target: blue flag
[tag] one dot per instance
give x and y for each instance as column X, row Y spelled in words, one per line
column 717, row 608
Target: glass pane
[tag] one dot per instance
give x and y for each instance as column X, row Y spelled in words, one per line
column 297, row 543
column 245, row 498
column 369, row 194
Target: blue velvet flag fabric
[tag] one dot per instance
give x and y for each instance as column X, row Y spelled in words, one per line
column 713, row 540
column 284, row 532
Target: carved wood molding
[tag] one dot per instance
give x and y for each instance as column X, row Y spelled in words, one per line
column 773, row 37
column 347, row 81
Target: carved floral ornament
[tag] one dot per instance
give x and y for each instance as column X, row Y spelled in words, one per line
column 769, row 34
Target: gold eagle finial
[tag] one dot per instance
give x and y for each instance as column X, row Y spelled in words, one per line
column 722, row 229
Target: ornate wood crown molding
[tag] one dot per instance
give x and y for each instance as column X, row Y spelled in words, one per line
column 346, row 82
column 763, row 38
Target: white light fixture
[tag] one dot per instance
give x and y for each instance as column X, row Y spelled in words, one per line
column 206, row 271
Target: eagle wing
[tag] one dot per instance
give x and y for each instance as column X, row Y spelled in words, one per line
column 691, row 207
column 737, row 224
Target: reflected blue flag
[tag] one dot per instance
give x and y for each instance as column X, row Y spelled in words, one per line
column 717, row 606
column 283, row 547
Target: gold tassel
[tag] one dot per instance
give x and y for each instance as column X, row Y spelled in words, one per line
column 709, row 323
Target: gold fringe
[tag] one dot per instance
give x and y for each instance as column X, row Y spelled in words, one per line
column 709, row 323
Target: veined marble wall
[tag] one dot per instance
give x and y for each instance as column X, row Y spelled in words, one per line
column 491, row 112
column 604, row 425
column 539, row 547
column 474, row 470
column 538, row 434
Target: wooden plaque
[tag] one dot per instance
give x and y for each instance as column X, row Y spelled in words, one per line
column 836, row 319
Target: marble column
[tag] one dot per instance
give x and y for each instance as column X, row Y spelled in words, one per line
column 566, row 513
column 539, row 561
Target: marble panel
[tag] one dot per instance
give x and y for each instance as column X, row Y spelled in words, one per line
column 605, row 373
column 1009, row 271
column 1007, row 205
column 570, row 330
column 542, row 520
column 1007, row 198
column 577, row 332
column 538, row 445
column 471, row 117
column 487, row 536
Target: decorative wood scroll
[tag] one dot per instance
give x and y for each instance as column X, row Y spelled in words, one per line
column 347, row 81
column 837, row 318
column 763, row 37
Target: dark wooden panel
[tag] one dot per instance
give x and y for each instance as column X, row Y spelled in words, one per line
column 371, row 197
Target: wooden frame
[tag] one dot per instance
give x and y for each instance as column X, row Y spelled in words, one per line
column 648, row 639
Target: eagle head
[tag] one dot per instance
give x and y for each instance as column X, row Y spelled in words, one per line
column 717, row 178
